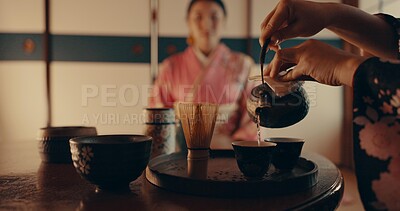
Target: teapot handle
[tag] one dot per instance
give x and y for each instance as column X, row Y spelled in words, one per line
column 263, row 54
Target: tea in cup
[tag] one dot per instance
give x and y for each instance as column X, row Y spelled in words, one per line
column 253, row 158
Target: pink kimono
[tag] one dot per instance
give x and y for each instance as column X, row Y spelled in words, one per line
column 222, row 79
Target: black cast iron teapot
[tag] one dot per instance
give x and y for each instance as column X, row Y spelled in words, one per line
column 275, row 109
column 275, row 104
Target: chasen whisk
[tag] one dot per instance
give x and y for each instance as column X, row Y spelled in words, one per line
column 198, row 122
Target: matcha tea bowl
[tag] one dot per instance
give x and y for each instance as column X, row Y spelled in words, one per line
column 111, row 162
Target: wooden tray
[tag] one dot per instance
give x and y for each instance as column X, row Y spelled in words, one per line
column 220, row 176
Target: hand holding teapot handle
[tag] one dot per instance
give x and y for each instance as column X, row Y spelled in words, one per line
column 314, row 60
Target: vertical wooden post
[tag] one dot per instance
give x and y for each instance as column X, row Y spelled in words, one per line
column 347, row 131
column 154, row 39
column 248, row 26
column 47, row 58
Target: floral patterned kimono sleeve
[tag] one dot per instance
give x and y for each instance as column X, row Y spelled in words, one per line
column 377, row 132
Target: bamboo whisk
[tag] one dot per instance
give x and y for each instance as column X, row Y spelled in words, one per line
column 198, row 122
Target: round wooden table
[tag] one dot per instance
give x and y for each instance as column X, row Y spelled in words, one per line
column 28, row 184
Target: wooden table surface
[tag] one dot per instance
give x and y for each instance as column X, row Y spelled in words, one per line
column 28, row 184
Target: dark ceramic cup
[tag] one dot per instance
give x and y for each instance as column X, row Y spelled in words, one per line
column 253, row 158
column 287, row 152
column 54, row 142
column 111, row 162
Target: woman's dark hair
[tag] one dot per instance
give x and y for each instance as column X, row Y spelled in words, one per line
column 219, row 2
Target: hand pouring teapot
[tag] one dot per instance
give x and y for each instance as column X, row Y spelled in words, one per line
column 276, row 104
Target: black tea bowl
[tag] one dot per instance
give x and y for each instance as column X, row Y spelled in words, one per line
column 253, row 158
column 111, row 162
column 287, row 152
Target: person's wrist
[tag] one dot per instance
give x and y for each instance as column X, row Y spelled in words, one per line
column 347, row 70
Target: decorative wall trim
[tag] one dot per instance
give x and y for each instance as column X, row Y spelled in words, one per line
column 84, row 48
column 12, row 46
column 101, row 48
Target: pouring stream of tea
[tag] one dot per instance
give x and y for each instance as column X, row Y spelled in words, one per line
column 263, row 54
column 258, row 130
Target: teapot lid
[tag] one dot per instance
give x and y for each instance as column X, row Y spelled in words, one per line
column 282, row 88
column 278, row 88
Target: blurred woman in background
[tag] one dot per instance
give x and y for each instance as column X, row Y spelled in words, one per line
column 208, row 71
